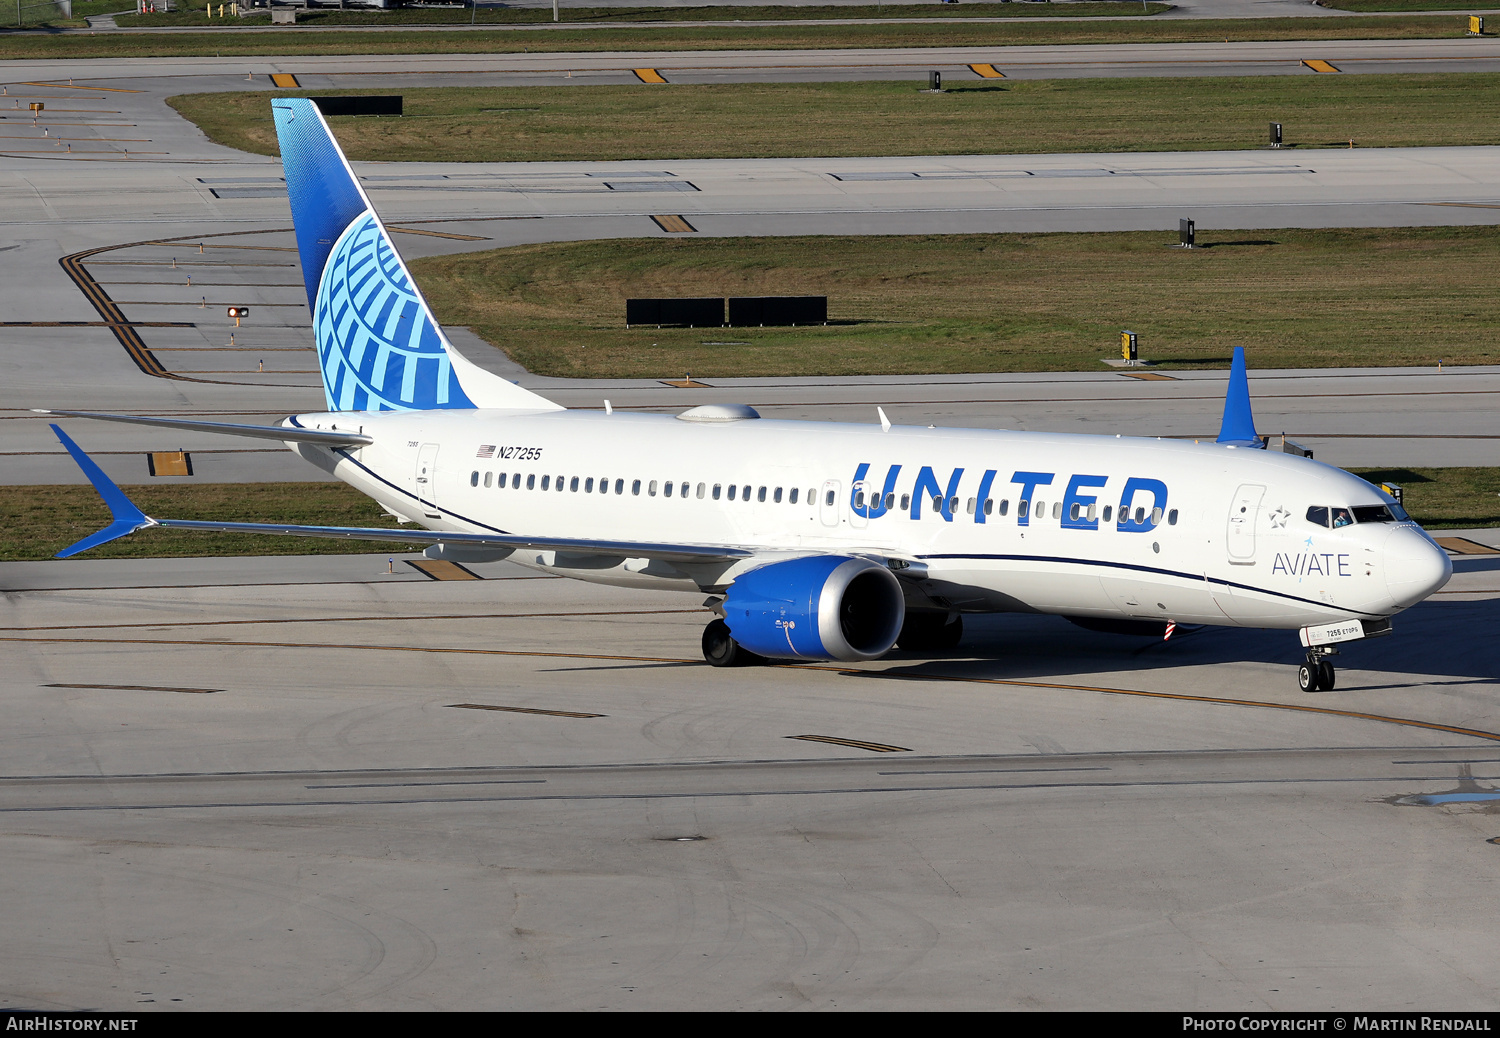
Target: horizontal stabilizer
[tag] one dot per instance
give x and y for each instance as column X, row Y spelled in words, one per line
column 285, row 434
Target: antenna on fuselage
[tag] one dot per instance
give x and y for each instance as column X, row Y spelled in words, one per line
column 1238, row 428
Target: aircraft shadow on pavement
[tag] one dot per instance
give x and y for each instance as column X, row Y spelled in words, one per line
column 1442, row 640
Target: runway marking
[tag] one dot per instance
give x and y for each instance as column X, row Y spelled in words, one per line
column 674, row 225
column 522, row 710
column 113, row 90
column 285, row 80
column 1405, row 722
column 648, row 75
column 1149, row 376
column 858, row 744
column 684, row 383
column 443, row 569
column 1464, row 205
column 135, row 688
column 1319, row 65
column 436, row 234
column 1464, row 546
column 986, row 71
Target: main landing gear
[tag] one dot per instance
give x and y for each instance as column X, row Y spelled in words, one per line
column 1316, row 673
column 720, row 648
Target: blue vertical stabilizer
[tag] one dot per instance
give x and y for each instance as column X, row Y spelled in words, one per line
column 379, row 346
column 1238, row 428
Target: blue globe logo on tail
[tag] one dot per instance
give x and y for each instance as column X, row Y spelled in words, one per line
column 377, row 345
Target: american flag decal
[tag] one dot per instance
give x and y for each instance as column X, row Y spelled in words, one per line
column 486, row 451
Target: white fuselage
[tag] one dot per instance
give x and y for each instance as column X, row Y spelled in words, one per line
column 1213, row 535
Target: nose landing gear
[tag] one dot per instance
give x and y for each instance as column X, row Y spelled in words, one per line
column 1316, row 673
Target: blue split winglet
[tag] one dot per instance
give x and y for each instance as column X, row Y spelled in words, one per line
column 127, row 517
column 1238, row 429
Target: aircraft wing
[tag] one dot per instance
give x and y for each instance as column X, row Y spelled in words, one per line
column 337, row 438
column 127, row 519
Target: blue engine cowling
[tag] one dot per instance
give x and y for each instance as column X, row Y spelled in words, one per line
column 821, row 607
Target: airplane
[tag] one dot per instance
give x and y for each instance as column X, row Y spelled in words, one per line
column 812, row 540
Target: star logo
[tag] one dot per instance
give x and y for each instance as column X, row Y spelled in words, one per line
column 1279, row 518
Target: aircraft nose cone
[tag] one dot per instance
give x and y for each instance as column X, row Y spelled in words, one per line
column 1415, row 567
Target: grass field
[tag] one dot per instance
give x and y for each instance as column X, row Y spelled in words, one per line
column 38, row 521
column 940, row 33
column 1017, row 116
column 1013, row 302
column 193, row 13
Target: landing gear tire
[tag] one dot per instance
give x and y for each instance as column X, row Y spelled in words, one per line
column 1316, row 675
column 1307, row 677
column 930, row 632
column 1325, row 676
column 721, row 650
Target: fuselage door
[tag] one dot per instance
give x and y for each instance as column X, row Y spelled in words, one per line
column 829, row 503
column 427, row 479
column 1243, row 513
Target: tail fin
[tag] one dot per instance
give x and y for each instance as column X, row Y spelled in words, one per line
column 379, row 346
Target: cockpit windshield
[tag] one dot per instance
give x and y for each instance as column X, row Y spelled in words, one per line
column 1339, row 516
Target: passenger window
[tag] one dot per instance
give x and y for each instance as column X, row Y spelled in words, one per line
column 937, row 504
column 701, row 488
column 1021, row 508
column 500, row 482
column 487, row 477
column 530, row 480
column 1109, row 510
column 952, row 505
column 890, row 502
column 1004, row 505
column 1073, row 511
column 792, row 497
column 905, row 502
column 1172, row 517
column 746, row 493
column 546, row 482
column 859, row 499
column 760, row 495
column 1089, row 515
column 474, row 478
column 559, row 484
column 989, row 506
column 619, row 486
column 651, row 490
column 1341, row 517
column 717, row 487
column 588, row 485
column 573, row 485
column 515, row 482
column 666, row 489
column 812, row 495
column 604, row 486
column 734, row 489
column 635, row 488
column 776, row 497
column 682, row 491
column 969, row 506
column 830, row 498
column 1156, row 517
column 1140, row 515
column 1057, row 509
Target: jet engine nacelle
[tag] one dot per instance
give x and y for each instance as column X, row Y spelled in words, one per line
column 821, row 607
